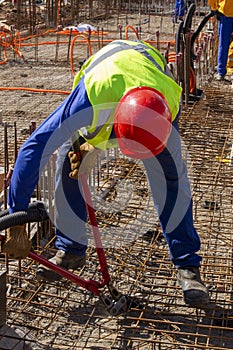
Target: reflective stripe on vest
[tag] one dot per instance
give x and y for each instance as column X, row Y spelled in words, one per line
column 124, row 46
column 105, row 116
column 107, row 83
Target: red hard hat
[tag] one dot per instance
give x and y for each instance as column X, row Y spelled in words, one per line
column 142, row 123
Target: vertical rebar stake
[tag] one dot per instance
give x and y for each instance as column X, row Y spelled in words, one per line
column 2, row 298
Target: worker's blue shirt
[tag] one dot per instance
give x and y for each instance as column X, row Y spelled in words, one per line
column 74, row 113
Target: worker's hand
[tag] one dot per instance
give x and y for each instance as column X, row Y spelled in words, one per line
column 83, row 162
column 17, row 244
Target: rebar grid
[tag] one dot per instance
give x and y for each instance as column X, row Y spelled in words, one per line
column 64, row 316
column 32, row 16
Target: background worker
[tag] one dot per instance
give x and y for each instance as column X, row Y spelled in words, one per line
column 124, row 96
column 179, row 10
column 230, row 56
column 224, row 10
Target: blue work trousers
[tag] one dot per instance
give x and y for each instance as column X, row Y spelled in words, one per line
column 168, row 180
column 179, row 9
column 225, row 29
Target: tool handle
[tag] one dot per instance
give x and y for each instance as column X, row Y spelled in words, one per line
column 76, row 145
column 95, row 230
column 92, row 217
column 91, row 285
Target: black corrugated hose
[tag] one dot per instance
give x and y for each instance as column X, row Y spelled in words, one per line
column 36, row 213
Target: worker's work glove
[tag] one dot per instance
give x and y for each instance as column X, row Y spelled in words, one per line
column 84, row 161
column 17, row 244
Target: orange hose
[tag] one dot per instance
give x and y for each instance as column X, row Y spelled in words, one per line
column 15, row 42
column 34, row 90
column 127, row 31
column 74, row 31
column 5, row 57
column 192, row 81
column 10, row 41
column 4, row 42
column 37, row 35
column 172, row 57
column 72, row 47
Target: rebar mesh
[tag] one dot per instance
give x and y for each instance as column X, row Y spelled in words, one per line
column 63, row 315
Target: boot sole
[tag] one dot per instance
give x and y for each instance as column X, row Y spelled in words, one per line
column 204, row 300
column 43, row 275
column 47, row 275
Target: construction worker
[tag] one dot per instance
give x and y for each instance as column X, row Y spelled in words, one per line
column 224, row 11
column 123, row 96
column 230, row 57
column 179, row 10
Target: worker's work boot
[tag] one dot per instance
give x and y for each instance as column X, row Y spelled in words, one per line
column 63, row 259
column 195, row 292
column 223, row 79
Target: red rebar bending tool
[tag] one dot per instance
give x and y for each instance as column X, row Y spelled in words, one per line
column 115, row 302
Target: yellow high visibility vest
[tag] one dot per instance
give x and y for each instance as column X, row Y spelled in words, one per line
column 223, row 6
column 114, row 70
